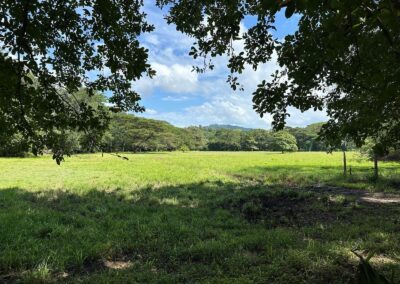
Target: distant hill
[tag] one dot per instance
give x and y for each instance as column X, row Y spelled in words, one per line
column 227, row 126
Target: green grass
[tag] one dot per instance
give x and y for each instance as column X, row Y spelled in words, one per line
column 192, row 217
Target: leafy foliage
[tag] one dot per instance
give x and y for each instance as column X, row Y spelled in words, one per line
column 307, row 138
column 331, row 62
column 284, row 142
column 51, row 49
column 131, row 133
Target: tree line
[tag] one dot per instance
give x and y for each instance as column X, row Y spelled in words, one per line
column 129, row 133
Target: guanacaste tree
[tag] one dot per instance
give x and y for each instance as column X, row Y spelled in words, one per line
column 343, row 58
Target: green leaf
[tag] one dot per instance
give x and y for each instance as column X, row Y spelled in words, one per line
column 290, row 9
column 334, row 4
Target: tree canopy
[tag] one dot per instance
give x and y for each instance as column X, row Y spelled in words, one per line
column 343, row 58
column 284, row 141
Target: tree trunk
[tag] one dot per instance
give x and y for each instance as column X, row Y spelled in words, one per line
column 344, row 164
column 376, row 169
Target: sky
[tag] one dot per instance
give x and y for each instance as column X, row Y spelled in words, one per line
column 184, row 98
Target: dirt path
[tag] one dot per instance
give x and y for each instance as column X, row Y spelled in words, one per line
column 361, row 195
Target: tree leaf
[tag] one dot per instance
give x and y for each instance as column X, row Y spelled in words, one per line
column 290, row 9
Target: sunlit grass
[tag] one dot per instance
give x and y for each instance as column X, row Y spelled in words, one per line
column 84, row 172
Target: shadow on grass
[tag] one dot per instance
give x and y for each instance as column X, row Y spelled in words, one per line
column 310, row 175
column 211, row 231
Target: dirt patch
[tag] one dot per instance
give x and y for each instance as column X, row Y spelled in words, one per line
column 89, row 266
column 9, row 278
column 360, row 195
column 117, row 265
column 95, row 265
column 307, row 206
column 383, row 259
column 380, row 200
column 281, row 210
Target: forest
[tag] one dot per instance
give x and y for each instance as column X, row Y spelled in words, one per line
column 129, row 133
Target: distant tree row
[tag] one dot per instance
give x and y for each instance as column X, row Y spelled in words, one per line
column 129, row 133
column 135, row 134
column 249, row 140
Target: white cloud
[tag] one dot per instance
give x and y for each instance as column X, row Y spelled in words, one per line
column 151, row 39
column 234, row 108
column 229, row 109
column 299, row 119
column 176, row 78
column 151, row 111
column 175, row 98
column 176, row 82
column 173, row 78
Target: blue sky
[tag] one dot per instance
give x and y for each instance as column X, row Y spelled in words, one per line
column 185, row 98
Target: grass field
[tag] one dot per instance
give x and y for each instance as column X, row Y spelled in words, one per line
column 207, row 217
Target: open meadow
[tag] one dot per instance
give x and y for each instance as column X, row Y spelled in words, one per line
column 212, row 217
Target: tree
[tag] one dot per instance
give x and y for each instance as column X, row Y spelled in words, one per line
column 225, row 140
column 344, row 149
column 13, row 146
column 284, row 142
column 195, row 138
column 344, row 58
column 263, row 139
column 376, row 149
column 248, row 142
column 91, row 139
column 307, row 138
column 51, row 49
column 131, row 133
column 184, row 148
